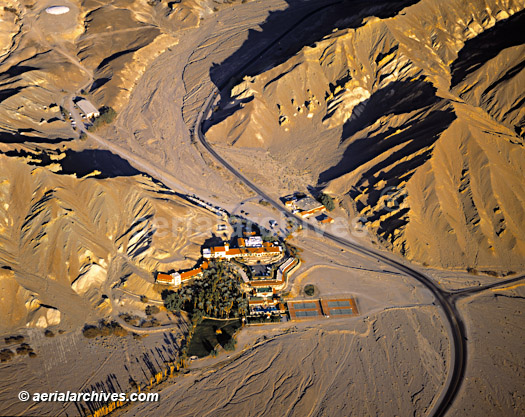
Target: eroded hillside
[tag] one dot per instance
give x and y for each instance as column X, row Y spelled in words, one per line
column 100, row 48
column 66, row 242
column 423, row 109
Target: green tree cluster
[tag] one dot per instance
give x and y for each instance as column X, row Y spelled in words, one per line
column 107, row 115
column 218, row 294
column 327, row 201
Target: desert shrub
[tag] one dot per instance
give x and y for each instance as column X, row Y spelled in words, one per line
column 24, row 349
column 130, row 319
column 309, row 290
column 6, row 355
column 118, row 330
column 104, row 329
column 91, row 332
column 14, row 339
column 107, row 115
column 230, row 345
column 151, row 310
column 153, row 322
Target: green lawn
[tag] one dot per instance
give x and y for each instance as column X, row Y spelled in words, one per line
column 206, row 338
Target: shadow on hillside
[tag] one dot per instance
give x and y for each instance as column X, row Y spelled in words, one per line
column 286, row 32
column 477, row 51
column 80, row 163
column 21, row 137
column 106, row 163
column 412, row 136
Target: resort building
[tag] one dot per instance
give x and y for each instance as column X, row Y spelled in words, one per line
column 251, row 247
column 177, row 278
column 168, row 279
column 308, row 206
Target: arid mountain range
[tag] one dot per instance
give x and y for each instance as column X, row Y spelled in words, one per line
column 425, row 108
column 409, row 114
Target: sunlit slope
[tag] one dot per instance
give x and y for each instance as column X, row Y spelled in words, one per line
column 64, row 242
column 100, row 48
column 419, row 120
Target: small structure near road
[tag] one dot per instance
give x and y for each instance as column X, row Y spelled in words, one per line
column 302, row 205
column 87, row 108
column 324, row 219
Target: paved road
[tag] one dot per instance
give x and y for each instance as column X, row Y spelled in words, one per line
column 446, row 300
column 456, row 325
column 466, row 292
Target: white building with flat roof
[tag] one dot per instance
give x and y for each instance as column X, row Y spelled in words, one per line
column 87, row 108
column 253, row 242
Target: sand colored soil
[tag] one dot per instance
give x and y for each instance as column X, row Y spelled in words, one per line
column 329, row 369
column 65, row 242
column 414, row 122
column 409, row 113
column 494, row 378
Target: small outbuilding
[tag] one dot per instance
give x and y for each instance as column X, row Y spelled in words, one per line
column 87, row 108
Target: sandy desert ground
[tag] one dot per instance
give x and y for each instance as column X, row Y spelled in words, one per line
column 408, row 113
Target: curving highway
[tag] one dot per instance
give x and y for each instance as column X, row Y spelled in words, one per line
column 443, row 298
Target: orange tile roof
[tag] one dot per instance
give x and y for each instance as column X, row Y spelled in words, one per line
column 247, row 251
column 164, row 277
column 190, row 274
column 312, row 211
column 264, row 283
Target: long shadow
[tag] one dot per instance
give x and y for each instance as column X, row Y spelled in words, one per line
column 477, row 51
column 19, row 137
column 81, row 163
column 108, row 164
column 16, row 70
column 397, row 98
column 286, row 32
column 413, row 140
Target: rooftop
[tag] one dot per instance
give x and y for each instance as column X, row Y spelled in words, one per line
column 307, row 204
